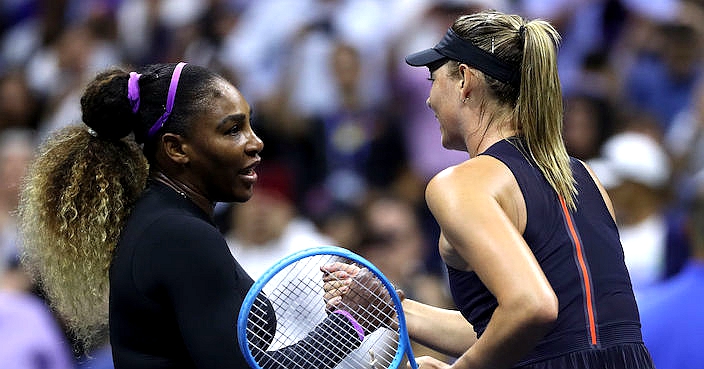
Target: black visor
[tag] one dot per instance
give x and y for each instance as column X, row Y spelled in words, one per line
column 454, row 47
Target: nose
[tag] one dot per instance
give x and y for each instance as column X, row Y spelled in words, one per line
column 254, row 144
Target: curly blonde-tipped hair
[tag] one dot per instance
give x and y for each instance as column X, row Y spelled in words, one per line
column 71, row 213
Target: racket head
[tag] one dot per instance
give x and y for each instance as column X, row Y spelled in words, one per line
column 299, row 307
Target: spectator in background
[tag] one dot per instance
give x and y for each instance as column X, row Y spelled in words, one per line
column 157, row 30
column 30, row 335
column 291, row 141
column 685, row 142
column 209, row 34
column 426, row 157
column 635, row 170
column 393, row 241
column 269, row 226
column 362, row 142
column 599, row 24
column 278, row 47
column 598, row 79
column 16, row 150
column 19, row 106
column 60, row 72
column 391, row 227
column 663, row 84
column 672, row 313
column 343, row 223
column 587, row 124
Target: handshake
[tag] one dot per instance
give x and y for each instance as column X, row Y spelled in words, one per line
column 360, row 295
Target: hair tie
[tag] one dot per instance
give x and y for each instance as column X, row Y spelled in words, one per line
column 522, row 31
column 133, row 91
column 170, row 98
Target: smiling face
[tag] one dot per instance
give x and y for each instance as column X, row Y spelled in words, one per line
column 444, row 100
column 223, row 150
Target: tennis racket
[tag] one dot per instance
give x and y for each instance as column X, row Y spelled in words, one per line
column 284, row 321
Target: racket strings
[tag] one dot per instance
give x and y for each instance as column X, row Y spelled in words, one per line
column 295, row 297
column 314, row 356
column 383, row 310
column 310, row 356
column 380, row 347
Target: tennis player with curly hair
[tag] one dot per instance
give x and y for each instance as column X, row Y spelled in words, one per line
column 117, row 223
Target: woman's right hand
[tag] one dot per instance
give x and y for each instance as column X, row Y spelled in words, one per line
column 337, row 278
column 358, row 291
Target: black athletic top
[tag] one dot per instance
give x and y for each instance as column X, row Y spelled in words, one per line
column 579, row 252
column 176, row 291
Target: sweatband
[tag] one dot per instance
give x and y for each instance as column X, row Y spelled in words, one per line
column 353, row 321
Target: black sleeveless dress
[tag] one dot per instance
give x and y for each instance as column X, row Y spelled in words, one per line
column 581, row 255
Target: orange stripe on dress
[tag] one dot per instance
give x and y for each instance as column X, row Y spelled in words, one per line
column 585, row 275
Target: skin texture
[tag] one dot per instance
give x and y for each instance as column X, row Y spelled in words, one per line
column 217, row 163
column 483, row 190
column 83, row 185
column 482, row 215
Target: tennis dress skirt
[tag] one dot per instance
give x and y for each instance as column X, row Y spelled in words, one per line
column 623, row 356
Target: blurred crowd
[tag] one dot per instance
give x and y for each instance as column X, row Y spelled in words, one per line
column 349, row 140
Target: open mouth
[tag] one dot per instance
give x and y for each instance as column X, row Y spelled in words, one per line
column 248, row 171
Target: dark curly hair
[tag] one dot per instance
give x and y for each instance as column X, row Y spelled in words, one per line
column 83, row 184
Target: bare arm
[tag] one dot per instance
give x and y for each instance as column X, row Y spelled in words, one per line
column 469, row 203
column 443, row 330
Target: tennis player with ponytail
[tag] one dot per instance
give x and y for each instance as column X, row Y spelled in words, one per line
column 123, row 206
column 533, row 255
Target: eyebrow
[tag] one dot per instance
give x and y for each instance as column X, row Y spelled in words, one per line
column 237, row 118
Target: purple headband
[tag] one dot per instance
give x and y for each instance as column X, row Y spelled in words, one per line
column 133, row 91
column 169, row 100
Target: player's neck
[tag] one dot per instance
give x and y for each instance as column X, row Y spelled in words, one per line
column 186, row 191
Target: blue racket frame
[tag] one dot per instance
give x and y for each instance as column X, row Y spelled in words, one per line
column 404, row 340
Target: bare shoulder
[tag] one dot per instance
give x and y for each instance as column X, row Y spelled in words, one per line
column 479, row 176
column 474, row 185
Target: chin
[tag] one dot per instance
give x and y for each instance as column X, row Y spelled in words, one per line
column 240, row 196
column 451, row 146
column 243, row 197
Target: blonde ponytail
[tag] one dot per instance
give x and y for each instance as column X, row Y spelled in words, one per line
column 530, row 50
column 539, row 110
